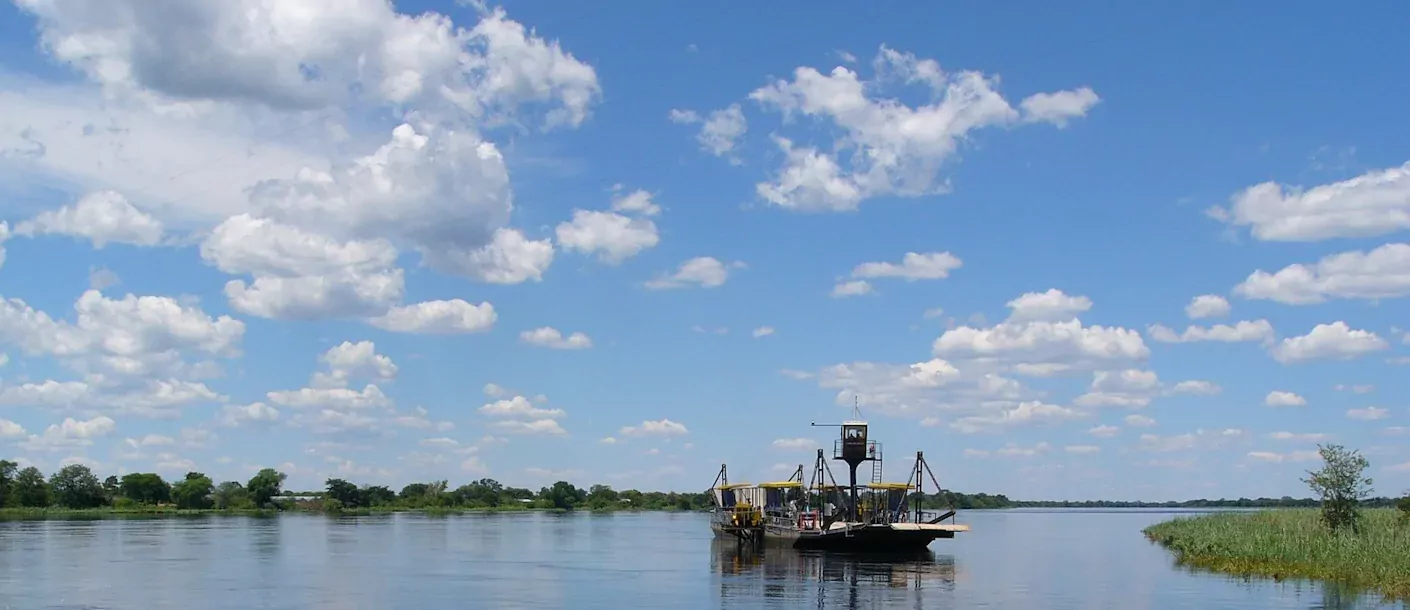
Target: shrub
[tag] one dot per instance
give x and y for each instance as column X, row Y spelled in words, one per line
column 1341, row 487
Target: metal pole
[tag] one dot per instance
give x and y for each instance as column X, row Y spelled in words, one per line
column 853, row 470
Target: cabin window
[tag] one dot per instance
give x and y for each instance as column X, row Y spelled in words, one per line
column 854, row 433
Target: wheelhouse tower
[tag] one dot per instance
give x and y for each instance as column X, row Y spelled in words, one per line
column 853, row 448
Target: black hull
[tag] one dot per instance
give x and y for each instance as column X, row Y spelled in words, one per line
column 870, row 540
column 873, row 539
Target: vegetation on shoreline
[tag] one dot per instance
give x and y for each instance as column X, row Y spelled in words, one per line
column 1293, row 543
column 76, row 491
column 974, row 502
column 1342, row 542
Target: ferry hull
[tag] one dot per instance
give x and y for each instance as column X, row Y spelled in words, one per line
column 878, row 538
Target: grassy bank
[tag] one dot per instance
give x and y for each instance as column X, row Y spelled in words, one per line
column 1292, row 543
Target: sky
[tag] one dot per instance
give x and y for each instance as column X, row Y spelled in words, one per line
column 1085, row 250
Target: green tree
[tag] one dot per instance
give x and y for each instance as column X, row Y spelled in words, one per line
column 75, row 486
column 517, row 493
column 230, row 494
column 436, row 493
column 562, row 495
column 30, row 488
column 484, row 492
column 414, row 490
column 7, row 478
column 346, row 494
column 601, row 497
column 193, row 492
column 1340, row 485
column 378, row 495
column 265, row 485
column 1403, row 505
column 145, row 488
column 112, row 488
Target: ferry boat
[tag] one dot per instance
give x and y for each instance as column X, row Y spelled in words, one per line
column 822, row 515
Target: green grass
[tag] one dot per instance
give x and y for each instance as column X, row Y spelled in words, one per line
column 1293, row 543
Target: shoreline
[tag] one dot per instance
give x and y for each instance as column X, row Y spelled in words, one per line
column 56, row 513
column 1292, row 544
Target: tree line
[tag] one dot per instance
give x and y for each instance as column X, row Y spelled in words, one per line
column 341, row 495
column 76, row 487
column 950, row 499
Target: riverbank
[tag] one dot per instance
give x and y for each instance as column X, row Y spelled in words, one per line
column 1292, row 543
column 171, row 511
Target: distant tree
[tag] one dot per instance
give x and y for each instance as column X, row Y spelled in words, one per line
column 265, row 485
column 29, row 488
column 484, row 492
column 230, row 494
column 601, row 496
column 112, row 488
column 7, row 478
column 437, row 493
column 1340, row 485
column 1404, row 506
column 193, row 492
column 378, row 495
column 145, row 488
column 517, row 493
column 414, row 490
column 75, row 486
column 346, row 494
column 562, row 495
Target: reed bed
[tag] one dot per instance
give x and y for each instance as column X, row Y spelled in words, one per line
column 1293, row 543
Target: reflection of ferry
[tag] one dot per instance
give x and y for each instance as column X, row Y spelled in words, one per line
column 824, row 515
column 792, row 577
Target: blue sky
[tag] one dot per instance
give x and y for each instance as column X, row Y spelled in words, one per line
column 1079, row 251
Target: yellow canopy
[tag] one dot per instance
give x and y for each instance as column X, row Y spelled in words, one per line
column 890, row 486
column 780, row 484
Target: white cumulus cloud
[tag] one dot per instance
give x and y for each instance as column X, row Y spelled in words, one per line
column 550, row 337
column 102, row 217
column 1280, row 398
column 1372, row 204
column 1208, row 306
column 1335, row 341
column 701, row 271
column 661, row 427
column 883, row 146
column 1381, row 273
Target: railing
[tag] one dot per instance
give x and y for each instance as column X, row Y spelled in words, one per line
column 873, row 449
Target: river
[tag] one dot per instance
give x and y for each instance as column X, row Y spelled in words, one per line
column 1038, row 559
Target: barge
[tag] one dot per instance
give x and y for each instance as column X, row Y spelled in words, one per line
column 820, row 514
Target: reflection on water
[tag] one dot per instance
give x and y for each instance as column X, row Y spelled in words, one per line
column 1320, row 595
column 831, row 580
column 1044, row 560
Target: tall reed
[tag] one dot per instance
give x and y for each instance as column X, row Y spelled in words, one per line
column 1293, row 543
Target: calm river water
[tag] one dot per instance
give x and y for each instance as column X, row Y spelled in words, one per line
column 1011, row 559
